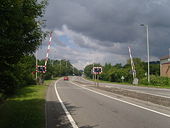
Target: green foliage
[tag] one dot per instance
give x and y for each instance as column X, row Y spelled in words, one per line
column 156, row 81
column 17, row 75
column 25, row 109
column 114, row 73
column 20, row 29
column 57, row 68
column 155, row 69
column 20, row 35
column 8, row 83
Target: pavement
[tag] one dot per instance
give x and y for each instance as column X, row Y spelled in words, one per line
column 90, row 107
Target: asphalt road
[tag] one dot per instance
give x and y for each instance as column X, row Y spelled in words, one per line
column 91, row 108
column 150, row 90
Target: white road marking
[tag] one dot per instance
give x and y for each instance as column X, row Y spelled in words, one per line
column 65, row 109
column 133, row 90
column 111, row 86
column 123, row 101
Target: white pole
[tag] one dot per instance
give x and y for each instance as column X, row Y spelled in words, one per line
column 36, row 63
column 66, row 63
column 93, row 67
column 73, row 69
column 147, row 33
column 147, row 40
column 60, row 67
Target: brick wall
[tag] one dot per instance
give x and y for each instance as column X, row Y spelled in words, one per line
column 165, row 70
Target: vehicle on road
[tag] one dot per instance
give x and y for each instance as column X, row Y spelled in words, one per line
column 66, row 78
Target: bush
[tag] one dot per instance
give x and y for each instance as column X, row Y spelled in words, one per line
column 156, row 81
column 8, row 83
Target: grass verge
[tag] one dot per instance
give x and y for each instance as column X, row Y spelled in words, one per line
column 149, row 85
column 25, row 109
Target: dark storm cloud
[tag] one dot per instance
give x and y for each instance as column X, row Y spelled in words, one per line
column 114, row 21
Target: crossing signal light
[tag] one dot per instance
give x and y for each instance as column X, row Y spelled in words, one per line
column 97, row 70
column 41, row 69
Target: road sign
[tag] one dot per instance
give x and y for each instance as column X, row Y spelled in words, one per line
column 122, row 77
column 41, row 68
column 97, row 70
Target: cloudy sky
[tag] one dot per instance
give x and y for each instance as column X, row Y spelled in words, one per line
column 87, row 31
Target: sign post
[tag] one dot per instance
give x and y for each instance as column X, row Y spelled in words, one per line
column 122, row 78
column 96, row 72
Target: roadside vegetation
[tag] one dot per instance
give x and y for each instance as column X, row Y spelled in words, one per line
column 21, row 100
column 21, row 34
column 25, row 109
column 113, row 73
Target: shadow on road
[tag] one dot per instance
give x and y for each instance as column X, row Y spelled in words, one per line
column 56, row 116
column 25, row 113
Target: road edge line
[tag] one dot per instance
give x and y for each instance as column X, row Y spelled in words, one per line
column 73, row 123
column 123, row 101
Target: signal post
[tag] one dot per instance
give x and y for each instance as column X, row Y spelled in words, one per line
column 96, row 72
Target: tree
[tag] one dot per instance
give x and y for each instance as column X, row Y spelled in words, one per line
column 57, row 68
column 20, row 28
column 20, row 35
column 18, row 75
column 139, row 67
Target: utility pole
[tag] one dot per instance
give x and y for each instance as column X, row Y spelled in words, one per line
column 147, row 41
column 60, row 67
column 66, row 63
column 52, row 62
column 73, row 70
column 36, row 63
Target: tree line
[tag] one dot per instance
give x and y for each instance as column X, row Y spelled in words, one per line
column 20, row 35
column 57, row 68
column 114, row 73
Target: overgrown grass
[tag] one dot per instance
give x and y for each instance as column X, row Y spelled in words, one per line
column 47, row 82
column 25, row 109
column 156, row 81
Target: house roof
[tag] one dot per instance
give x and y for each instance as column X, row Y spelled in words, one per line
column 165, row 57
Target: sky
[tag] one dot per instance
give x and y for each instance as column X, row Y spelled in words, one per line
column 100, row 31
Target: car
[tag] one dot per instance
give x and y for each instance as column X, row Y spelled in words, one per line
column 66, row 78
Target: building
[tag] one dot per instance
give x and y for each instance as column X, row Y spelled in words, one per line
column 165, row 66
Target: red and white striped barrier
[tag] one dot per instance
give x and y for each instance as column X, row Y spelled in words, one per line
column 49, row 45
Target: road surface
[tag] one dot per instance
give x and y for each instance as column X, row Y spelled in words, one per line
column 150, row 90
column 92, row 108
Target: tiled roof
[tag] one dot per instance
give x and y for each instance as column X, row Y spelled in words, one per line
column 165, row 57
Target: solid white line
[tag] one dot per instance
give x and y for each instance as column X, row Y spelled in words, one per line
column 65, row 109
column 123, row 101
column 111, row 86
column 133, row 90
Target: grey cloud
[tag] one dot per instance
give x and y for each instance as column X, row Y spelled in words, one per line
column 108, row 24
